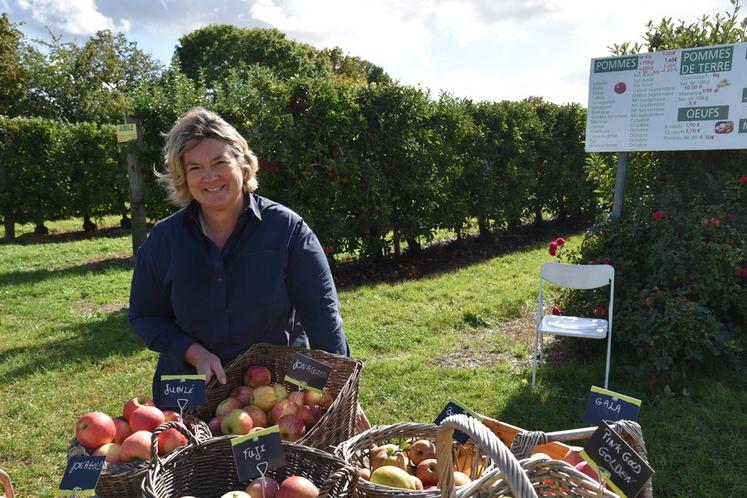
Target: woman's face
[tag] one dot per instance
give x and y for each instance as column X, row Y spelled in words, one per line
column 214, row 177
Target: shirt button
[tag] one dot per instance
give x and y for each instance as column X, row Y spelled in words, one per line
column 220, row 280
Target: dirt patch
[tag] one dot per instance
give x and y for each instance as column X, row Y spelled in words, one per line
column 87, row 309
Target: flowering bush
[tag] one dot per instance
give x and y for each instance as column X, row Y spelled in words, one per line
column 680, row 278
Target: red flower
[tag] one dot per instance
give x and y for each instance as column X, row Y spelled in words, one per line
column 743, row 180
column 560, row 241
column 657, row 215
column 715, row 222
column 743, row 272
column 729, row 217
column 606, row 261
column 552, row 248
column 601, row 310
column 556, row 310
column 328, row 249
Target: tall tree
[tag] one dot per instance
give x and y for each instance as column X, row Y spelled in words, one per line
column 13, row 70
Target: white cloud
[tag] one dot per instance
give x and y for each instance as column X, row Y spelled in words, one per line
column 74, row 17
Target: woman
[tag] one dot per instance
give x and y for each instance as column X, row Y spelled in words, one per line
column 231, row 268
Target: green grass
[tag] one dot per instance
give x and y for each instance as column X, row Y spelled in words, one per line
column 67, row 349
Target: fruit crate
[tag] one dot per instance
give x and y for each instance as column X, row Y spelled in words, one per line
column 123, row 480
column 338, row 422
column 486, row 459
column 207, row 468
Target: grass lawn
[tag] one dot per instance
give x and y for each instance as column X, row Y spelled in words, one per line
column 463, row 332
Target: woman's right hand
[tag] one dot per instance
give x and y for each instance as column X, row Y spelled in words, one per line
column 205, row 362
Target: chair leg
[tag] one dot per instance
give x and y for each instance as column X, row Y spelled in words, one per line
column 535, row 351
column 607, row 365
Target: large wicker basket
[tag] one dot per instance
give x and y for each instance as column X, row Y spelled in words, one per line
column 356, row 451
column 207, row 469
column 123, row 480
column 338, row 422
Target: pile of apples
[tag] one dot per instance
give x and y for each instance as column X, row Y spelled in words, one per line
column 260, row 403
column 267, row 487
column 128, row 438
column 408, row 466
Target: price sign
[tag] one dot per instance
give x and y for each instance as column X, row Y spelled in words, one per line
column 180, row 391
column 257, row 453
column 126, row 132
column 454, row 407
column 81, row 475
column 608, row 405
column 619, row 465
column 307, row 372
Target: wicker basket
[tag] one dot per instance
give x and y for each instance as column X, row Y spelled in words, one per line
column 338, row 422
column 207, row 469
column 467, row 458
column 122, row 480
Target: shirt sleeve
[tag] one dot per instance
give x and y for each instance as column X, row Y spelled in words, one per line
column 313, row 294
column 150, row 315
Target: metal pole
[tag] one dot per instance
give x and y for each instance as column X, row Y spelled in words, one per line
column 622, row 172
column 137, row 190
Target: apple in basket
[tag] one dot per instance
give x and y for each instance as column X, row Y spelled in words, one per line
column 297, row 487
column 291, row 427
column 389, row 454
column 587, row 469
column 427, row 472
column 282, row 407
column 243, row 394
column 296, row 397
column 237, row 422
column 420, row 450
column 280, row 391
column 136, row 447
column 264, row 487
column 95, row 429
column 323, row 399
column 257, row 375
column 169, row 440
column 395, row 477
column 572, row 456
column 214, row 424
column 133, row 404
column 172, row 416
column 264, row 397
column 123, row 429
column 227, row 406
column 111, row 451
column 235, row 494
column 146, row 418
column 310, row 414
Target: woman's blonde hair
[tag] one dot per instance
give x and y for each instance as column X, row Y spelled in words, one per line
column 197, row 124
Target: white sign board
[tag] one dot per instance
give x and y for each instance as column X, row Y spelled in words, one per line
column 688, row 99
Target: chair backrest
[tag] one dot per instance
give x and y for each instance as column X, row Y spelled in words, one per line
column 578, row 276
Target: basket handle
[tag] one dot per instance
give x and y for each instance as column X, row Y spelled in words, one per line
column 165, row 426
column 347, row 473
column 7, row 485
column 513, row 473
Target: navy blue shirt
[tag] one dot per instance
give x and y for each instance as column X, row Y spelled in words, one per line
column 185, row 290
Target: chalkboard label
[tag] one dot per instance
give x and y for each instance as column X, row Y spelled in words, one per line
column 608, row 405
column 81, row 475
column 307, row 372
column 179, row 391
column 454, row 407
column 612, row 458
column 257, row 453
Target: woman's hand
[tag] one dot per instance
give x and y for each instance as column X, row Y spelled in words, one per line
column 205, row 362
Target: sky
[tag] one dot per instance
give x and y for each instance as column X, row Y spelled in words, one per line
column 478, row 49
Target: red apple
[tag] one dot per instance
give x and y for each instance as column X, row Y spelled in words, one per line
column 426, row 471
column 146, row 418
column 310, row 414
column 95, row 429
column 572, row 456
column 389, row 454
column 291, row 427
column 227, row 406
column 296, row 397
column 264, row 397
column 418, row 483
column 257, row 375
column 135, row 403
column 282, row 407
column 237, row 422
column 264, row 487
column 123, row 429
column 214, row 424
column 364, row 473
column 169, row 440
column 420, row 450
column 111, row 451
column 258, row 416
column 280, row 391
column 587, row 469
column 297, row 487
column 243, row 394
column 172, row 416
column 326, row 400
column 136, row 447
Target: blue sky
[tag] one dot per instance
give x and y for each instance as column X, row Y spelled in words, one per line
column 479, row 49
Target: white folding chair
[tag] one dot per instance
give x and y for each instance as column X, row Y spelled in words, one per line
column 574, row 277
